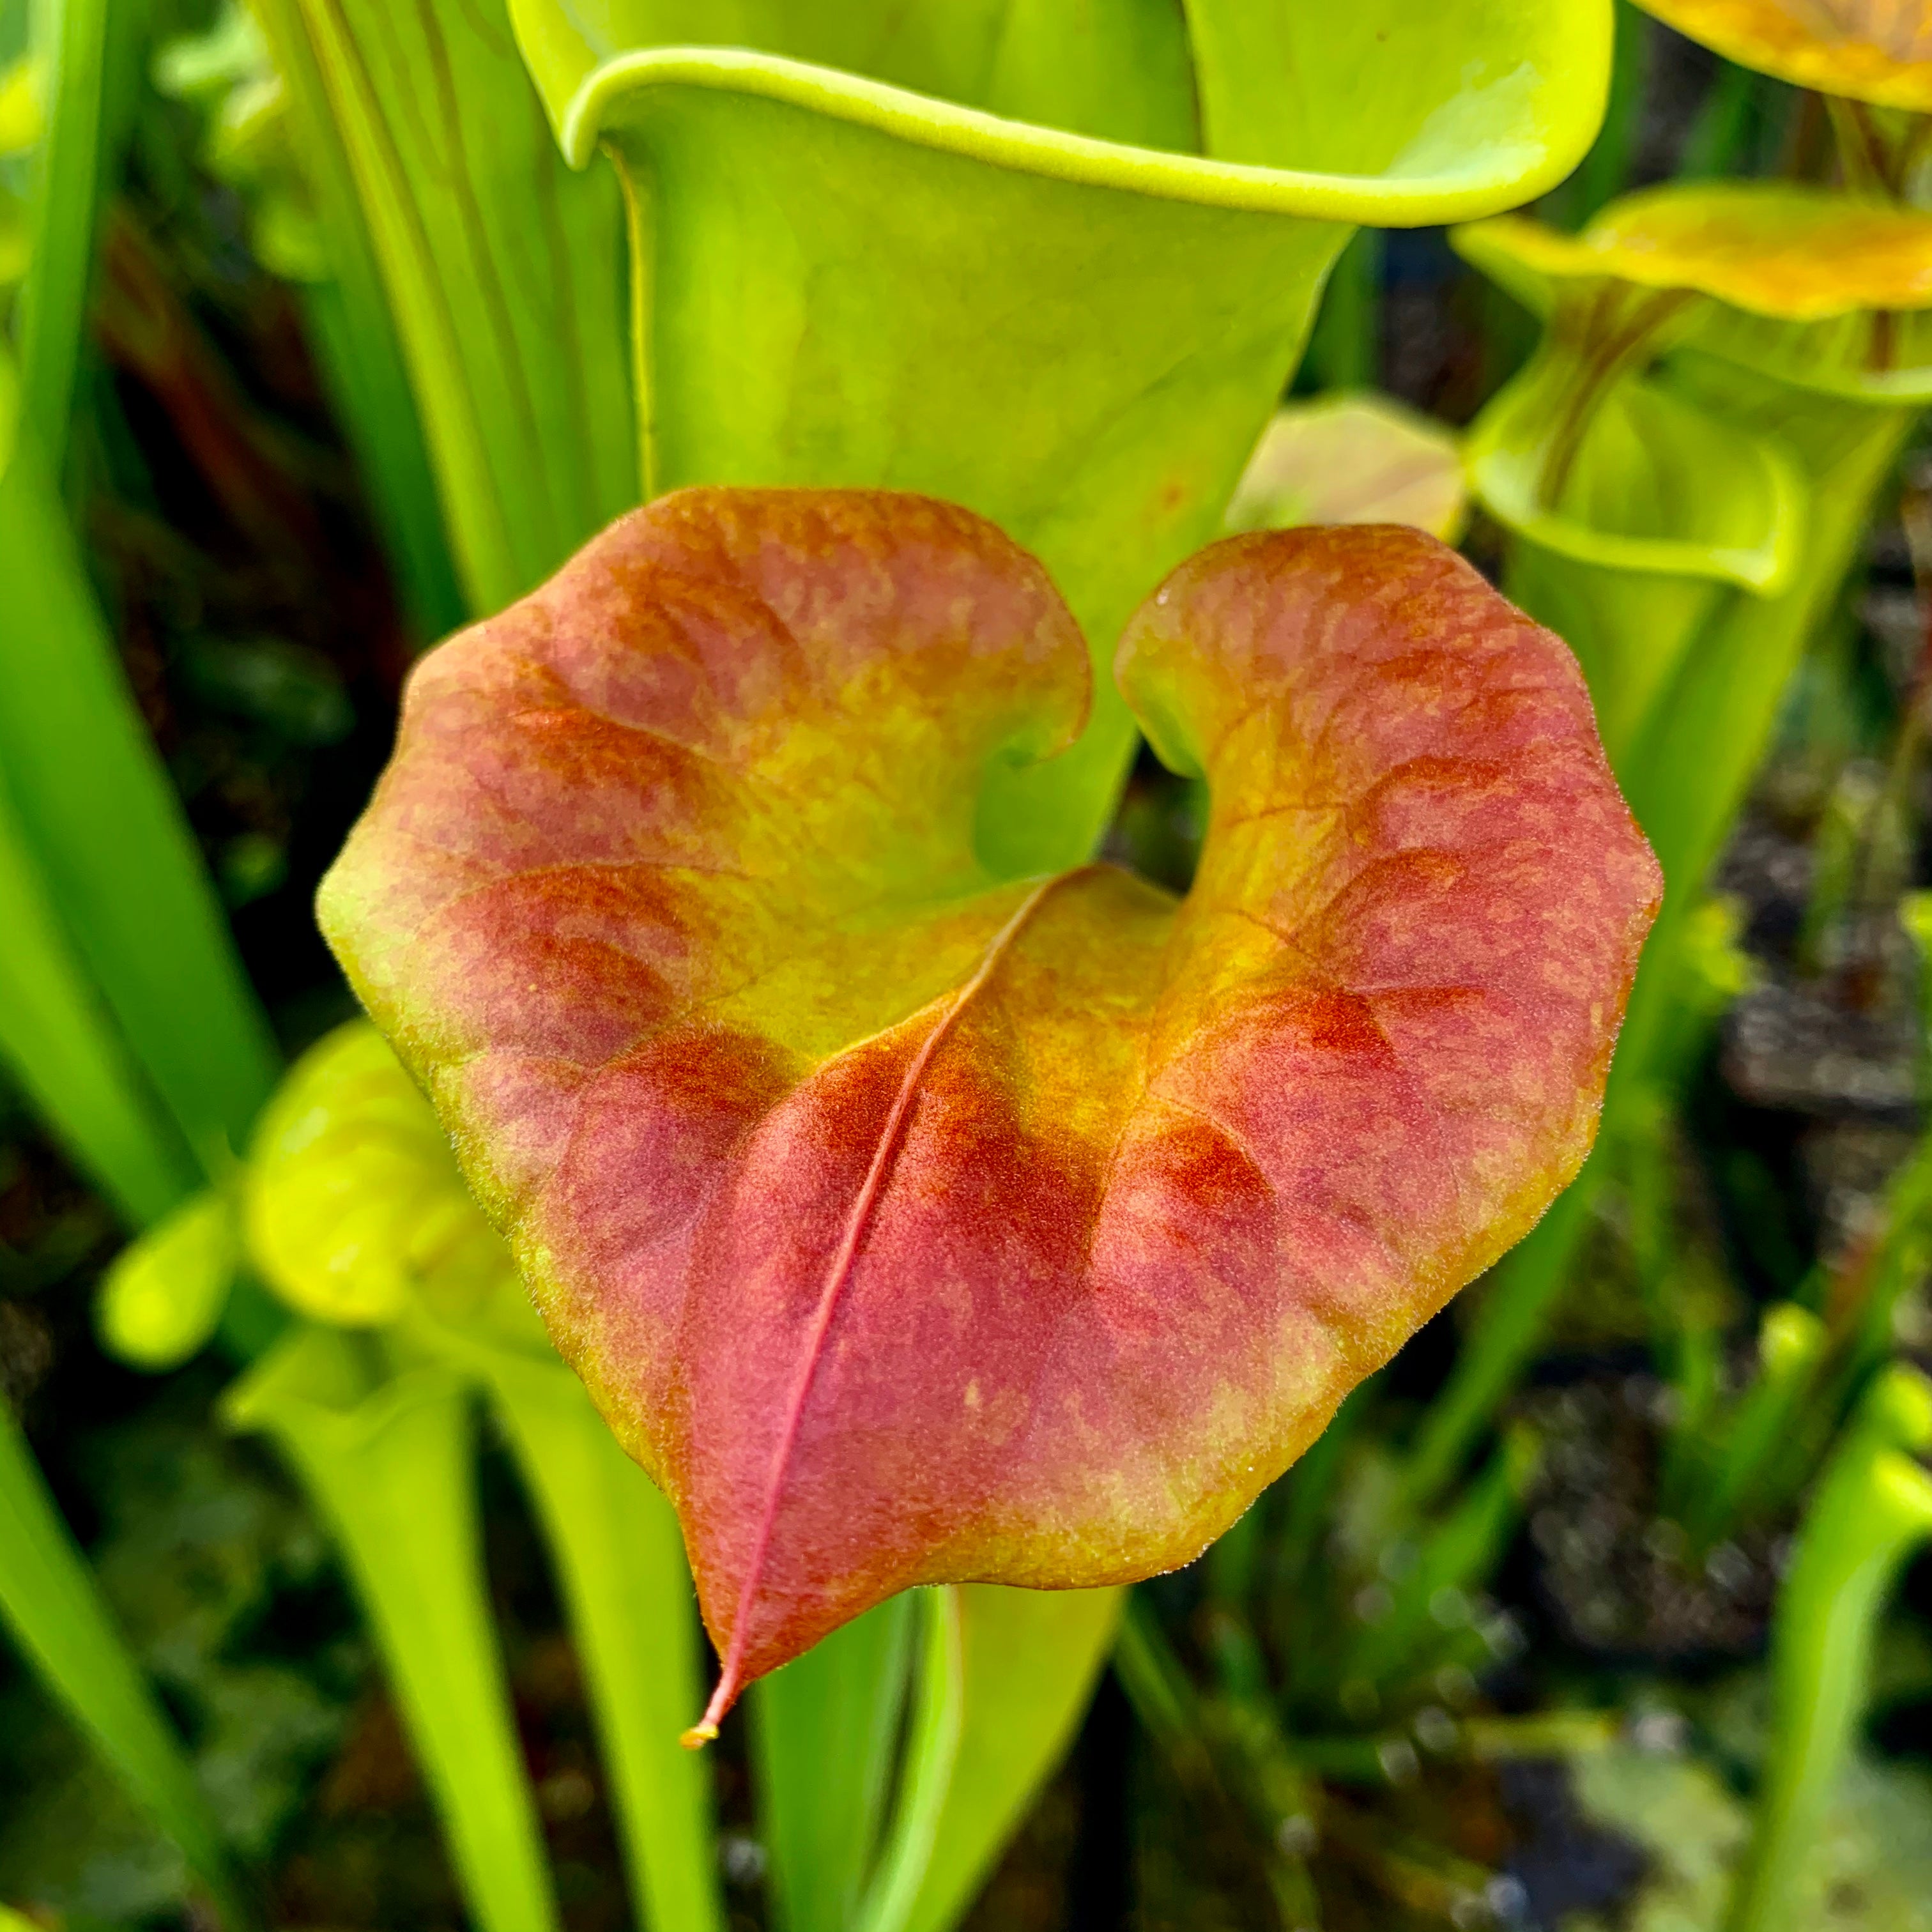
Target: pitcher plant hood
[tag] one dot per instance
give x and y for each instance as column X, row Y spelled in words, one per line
column 912, row 1225
column 1875, row 50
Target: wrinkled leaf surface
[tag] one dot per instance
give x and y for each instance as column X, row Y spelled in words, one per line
column 914, row 1226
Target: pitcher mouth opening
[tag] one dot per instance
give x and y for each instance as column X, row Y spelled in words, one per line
column 1509, row 169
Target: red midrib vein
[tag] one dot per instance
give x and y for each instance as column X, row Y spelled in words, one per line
column 730, row 1680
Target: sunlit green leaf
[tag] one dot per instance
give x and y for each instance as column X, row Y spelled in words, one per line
column 825, row 1730
column 70, row 54
column 1029, row 1659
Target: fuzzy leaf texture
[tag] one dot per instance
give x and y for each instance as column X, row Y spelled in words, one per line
column 911, row 1224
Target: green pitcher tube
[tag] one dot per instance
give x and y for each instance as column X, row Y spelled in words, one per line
column 1708, row 513
column 1054, row 261
column 1032, row 276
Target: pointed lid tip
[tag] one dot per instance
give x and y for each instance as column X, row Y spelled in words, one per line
column 722, row 1698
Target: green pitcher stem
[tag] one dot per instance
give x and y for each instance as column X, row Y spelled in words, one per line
column 1685, row 768
column 387, row 1459
column 1030, row 1658
column 841, row 1701
column 937, row 1724
column 1872, row 1507
column 619, row 1561
column 1878, row 150
column 1687, row 774
column 1614, row 328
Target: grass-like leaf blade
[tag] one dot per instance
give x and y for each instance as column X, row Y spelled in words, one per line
column 620, row 1563
column 825, row 1730
column 68, row 1058
column 48, row 1599
column 389, row 1463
